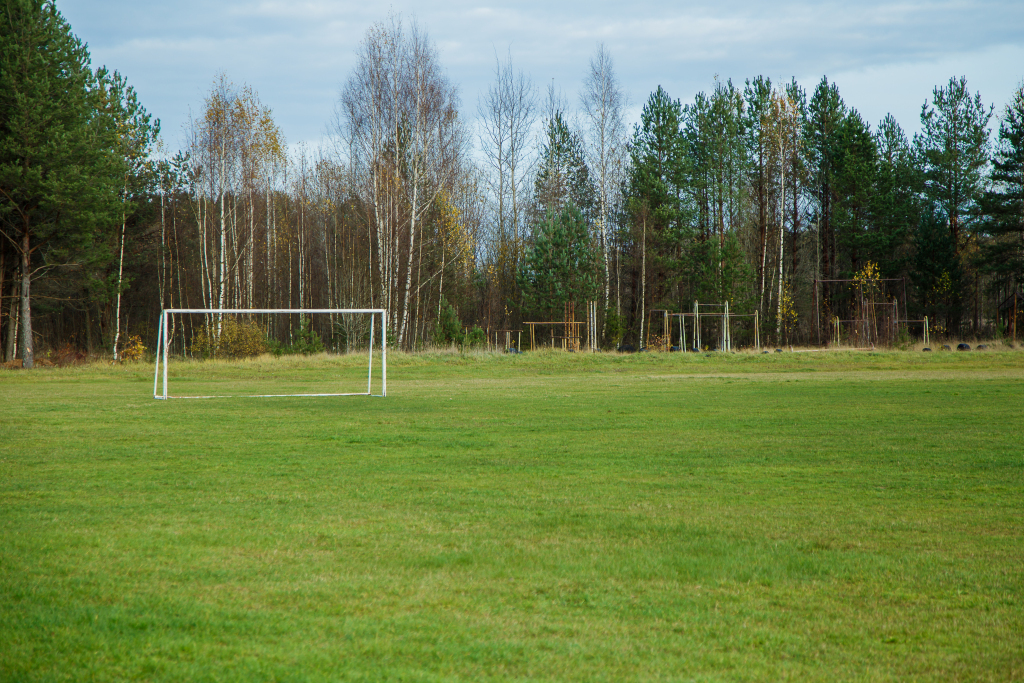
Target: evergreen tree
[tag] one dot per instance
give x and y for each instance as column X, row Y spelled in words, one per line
column 895, row 202
column 713, row 132
column 658, row 161
column 563, row 177
column 659, row 225
column 760, row 128
column 826, row 113
column 56, row 180
column 561, row 265
column 135, row 135
column 936, row 274
column 953, row 145
column 1004, row 202
column 797, row 172
column 855, row 164
column 715, row 190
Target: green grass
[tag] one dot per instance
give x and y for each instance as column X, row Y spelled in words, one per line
column 546, row 517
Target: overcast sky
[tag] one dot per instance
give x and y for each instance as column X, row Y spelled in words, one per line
column 884, row 56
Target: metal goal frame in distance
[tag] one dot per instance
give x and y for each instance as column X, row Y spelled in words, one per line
column 163, row 344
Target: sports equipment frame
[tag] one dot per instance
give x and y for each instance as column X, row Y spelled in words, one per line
column 163, row 344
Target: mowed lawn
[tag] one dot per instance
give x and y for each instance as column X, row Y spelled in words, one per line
column 546, row 517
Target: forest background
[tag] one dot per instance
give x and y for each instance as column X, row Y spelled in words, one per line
column 453, row 219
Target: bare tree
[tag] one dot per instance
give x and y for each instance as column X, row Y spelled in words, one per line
column 507, row 114
column 401, row 113
column 235, row 150
column 603, row 101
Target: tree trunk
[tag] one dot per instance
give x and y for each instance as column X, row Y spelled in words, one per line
column 223, row 249
column 12, row 326
column 163, row 251
column 643, row 284
column 3, row 279
column 408, row 272
column 120, row 274
column 89, row 345
column 25, row 342
column 782, row 221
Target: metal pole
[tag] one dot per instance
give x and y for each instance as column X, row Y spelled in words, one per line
column 369, row 372
column 926, row 342
column 166, row 344
column 383, row 352
column 728, row 334
column 159, row 339
column 696, row 324
column 817, row 317
column 1013, row 336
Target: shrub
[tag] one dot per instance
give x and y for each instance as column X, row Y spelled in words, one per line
column 474, row 337
column 305, row 341
column 133, row 350
column 245, row 339
column 613, row 328
column 67, row 355
column 448, row 328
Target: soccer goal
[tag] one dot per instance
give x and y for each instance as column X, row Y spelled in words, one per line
column 201, row 332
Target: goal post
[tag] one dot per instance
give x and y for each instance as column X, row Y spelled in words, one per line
column 165, row 334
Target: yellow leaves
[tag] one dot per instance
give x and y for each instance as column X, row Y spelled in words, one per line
column 239, row 130
column 133, row 350
column 237, row 339
column 454, row 233
column 868, row 279
column 787, row 308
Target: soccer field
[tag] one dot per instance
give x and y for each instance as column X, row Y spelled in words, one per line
column 543, row 517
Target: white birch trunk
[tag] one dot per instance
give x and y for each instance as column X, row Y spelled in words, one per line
column 223, row 248
column 120, row 274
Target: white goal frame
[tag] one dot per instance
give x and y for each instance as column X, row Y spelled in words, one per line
column 163, row 344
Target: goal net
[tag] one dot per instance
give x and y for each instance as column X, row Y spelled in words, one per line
column 230, row 352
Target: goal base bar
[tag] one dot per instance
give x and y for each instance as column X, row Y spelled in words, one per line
column 359, row 393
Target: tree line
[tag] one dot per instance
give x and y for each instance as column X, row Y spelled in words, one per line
column 771, row 197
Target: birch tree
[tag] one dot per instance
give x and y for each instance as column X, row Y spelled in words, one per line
column 603, row 101
column 401, row 112
column 507, row 113
column 136, row 135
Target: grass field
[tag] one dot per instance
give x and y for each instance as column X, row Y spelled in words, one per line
column 544, row 517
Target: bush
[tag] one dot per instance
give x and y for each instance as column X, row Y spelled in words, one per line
column 305, row 341
column 448, row 328
column 474, row 337
column 612, row 328
column 244, row 339
column 133, row 350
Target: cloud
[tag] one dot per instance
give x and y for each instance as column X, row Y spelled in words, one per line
column 297, row 55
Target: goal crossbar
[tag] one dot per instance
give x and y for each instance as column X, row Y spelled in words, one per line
column 163, row 345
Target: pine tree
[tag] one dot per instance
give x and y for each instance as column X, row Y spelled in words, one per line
column 1003, row 204
column 563, row 177
column 713, row 131
column 953, row 145
column 826, row 113
column 561, row 265
column 895, row 203
column 135, row 134
column 56, row 180
column 659, row 225
column 855, row 158
column 760, row 133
